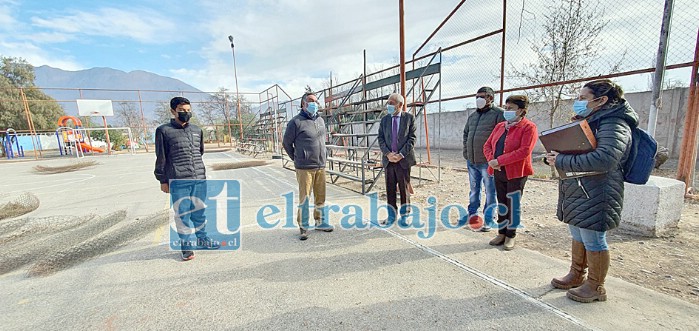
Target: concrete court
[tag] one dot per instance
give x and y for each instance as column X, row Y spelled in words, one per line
column 349, row 279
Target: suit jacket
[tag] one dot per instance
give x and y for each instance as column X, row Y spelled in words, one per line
column 406, row 139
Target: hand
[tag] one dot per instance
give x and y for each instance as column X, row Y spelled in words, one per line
column 165, row 187
column 397, row 157
column 551, row 157
column 391, row 157
column 494, row 164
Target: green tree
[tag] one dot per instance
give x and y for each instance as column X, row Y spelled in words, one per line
column 17, row 78
column 117, row 138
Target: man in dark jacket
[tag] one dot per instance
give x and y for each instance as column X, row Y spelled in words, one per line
column 179, row 146
column 479, row 126
column 397, row 140
column 304, row 142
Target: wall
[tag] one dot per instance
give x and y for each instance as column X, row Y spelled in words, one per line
column 668, row 129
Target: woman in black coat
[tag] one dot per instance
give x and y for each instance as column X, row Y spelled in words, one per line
column 591, row 205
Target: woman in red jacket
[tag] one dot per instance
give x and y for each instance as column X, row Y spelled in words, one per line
column 509, row 154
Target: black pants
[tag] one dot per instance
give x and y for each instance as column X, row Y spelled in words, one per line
column 395, row 174
column 503, row 187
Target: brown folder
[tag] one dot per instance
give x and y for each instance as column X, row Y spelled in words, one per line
column 572, row 138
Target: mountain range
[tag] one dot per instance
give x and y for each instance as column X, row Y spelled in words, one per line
column 111, row 84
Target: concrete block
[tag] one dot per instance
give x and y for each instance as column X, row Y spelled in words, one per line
column 653, row 209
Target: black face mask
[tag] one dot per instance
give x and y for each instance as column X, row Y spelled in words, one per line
column 184, row 116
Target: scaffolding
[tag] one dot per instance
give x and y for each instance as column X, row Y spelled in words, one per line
column 352, row 114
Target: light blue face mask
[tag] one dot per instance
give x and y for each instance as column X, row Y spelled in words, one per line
column 391, row 109
column 580, row 108
column 312, row 108
column 510, row 115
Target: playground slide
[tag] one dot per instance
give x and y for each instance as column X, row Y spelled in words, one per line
column 88, row 147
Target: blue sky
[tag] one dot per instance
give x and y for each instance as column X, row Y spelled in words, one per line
column 298, row 42
column 290, row 42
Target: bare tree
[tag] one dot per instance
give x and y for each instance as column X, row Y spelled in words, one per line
column 568, row 49
column 128, row 116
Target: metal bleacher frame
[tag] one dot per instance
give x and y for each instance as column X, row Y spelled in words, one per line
column 352, row 124
column 266, row 131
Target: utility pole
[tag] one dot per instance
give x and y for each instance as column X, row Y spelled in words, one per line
column 237, row 95
column 656, row 99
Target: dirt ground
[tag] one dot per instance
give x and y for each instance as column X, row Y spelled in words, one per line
column 667, row 264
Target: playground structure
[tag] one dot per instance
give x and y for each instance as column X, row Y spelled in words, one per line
column 71, row 140
column 10, row 144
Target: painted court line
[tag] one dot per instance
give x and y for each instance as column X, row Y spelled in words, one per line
column 490, row 279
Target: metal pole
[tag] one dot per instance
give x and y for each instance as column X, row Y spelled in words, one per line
column 688, row 151
column 502, row 50
column 438, row 28
column 237, row 95
column 106, row 135
column 30, row 124
column 402, row 51
column 656, row 99
column 439, row 123
column 143, row 121
column 366, row 106
column 227, row 110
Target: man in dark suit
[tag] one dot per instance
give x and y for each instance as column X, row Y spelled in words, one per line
column 397, row 141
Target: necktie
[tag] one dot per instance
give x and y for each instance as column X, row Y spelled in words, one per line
column 394, row 135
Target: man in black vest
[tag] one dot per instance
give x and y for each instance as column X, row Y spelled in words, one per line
column 179, row 146
column 397, row 141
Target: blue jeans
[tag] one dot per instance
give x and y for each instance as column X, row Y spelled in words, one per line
column 594, row 241
column 185, row 196
column 478, row 174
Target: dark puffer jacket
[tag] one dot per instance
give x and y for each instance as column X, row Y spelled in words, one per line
column 178, row 152
column 479, row 126
column 595, row 202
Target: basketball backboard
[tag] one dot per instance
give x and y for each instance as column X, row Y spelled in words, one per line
column 88, row 107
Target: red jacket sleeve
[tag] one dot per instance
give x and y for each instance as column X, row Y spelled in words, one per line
column 526, row 146
column 489, row 146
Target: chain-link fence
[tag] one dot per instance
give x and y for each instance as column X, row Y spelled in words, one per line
column 227, row 118
column 548, row 50
column 545, row 49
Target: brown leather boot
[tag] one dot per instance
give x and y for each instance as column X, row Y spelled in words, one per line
column 593, row 288
column 578, row 264
column 498, row 240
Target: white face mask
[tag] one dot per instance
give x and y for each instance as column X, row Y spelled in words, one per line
column 480, row 102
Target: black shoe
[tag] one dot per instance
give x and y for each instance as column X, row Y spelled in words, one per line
column 303, row 235
column 187, row 255
column 387, row 220
column 207, row 243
